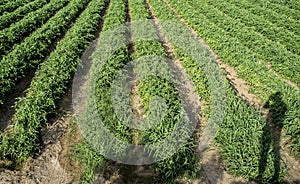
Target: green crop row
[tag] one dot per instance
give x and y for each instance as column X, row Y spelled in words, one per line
column 103, row 80
column 294, row 4
column 261, row 81
column 291, row 13
column 284, row 37
column 283, row 61
column 116, row 16
column 269, row 15
column 184, row 159
column 7, row 19
column 89, row 159
column 48, row 85
column 36, row 47
column 4, row 2
column 14, row 34
column 10, row 6
column 242, row 135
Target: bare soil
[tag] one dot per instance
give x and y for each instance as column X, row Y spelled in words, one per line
column 213, row 170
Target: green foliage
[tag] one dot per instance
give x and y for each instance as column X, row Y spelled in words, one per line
column 293, row 12
column 267, row 31
column 288, row 40
column 240, row 134
column 247, row 64
column 18, row 31
column 3, row 2
column 267, row 14
column 150, row 87
column 282, row 61
column 7, row 19
column 183, row 162
column 88, row 158
column 9, row 6
column 239, row 138
column 114, row 17
column 36, row 47
column 103, row 94
column 184, row 159
column 293, row 4
column 49, row 84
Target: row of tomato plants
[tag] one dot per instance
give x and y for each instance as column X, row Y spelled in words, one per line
column 50, row 82
column 291, row 13
column 12, row 5
column 16, row 33
column 260, row 79
column 282, row 61
column 277, row 19
column 289, row 40
column 184, row 160
column 242, row 130
column 28, row 54
column 9, row 18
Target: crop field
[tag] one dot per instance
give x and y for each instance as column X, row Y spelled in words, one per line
column 149, row 91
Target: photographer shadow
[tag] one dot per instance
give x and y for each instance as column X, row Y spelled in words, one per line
column 271, row 136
